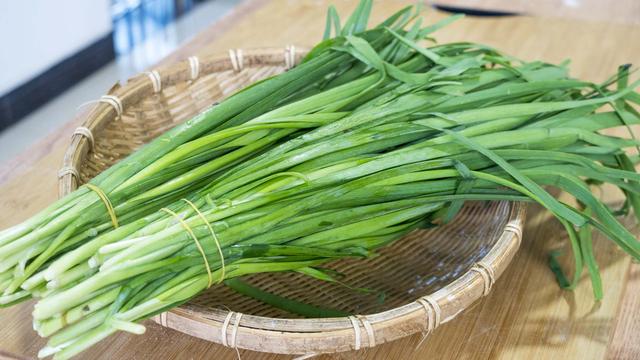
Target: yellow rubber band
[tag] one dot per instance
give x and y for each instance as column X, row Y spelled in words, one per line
column 195, row 239
column 107, row 203
column 215, row 238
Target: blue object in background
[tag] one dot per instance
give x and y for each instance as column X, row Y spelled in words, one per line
column 144, row 32
column 134, row 21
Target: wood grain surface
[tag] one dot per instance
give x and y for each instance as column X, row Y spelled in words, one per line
column 526, row 315
column 617, row 11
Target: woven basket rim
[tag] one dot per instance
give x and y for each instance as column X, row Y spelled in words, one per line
column 278, row 335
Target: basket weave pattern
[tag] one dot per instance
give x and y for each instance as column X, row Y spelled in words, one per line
column 419, row 282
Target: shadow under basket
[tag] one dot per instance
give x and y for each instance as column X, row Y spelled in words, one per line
column 417, row 283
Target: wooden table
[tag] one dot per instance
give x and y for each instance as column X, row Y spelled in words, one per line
column 526, row 316
column 618, row 11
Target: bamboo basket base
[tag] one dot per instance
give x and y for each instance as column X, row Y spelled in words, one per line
column 414, row 266
column 415, row 284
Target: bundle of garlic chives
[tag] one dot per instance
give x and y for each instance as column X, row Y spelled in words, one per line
column 187, row 157
column 388, row 138
column 347, row 188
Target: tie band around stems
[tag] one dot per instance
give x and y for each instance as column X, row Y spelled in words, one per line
column 195, row 239
column 215, row 239
column 106, row 202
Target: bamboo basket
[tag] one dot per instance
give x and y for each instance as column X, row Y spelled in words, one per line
column 427, row 278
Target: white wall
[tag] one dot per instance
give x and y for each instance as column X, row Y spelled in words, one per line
column 36, row 34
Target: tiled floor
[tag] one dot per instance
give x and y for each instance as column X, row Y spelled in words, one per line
column 49, row 117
